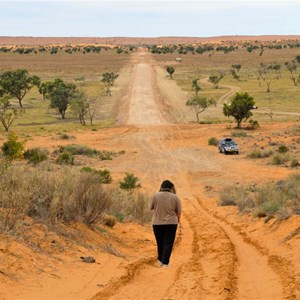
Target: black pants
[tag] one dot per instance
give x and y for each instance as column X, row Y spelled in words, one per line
column 165, row 237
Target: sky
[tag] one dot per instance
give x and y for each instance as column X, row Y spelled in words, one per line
column 152, row 18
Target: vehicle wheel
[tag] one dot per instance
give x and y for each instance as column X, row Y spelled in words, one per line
column 237, row 152
column 225, row 152
column 220, row 150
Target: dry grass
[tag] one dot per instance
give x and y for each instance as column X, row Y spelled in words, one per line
column 130, row 206
column 281, row 198
column 50, row 196
column 66, row 66
column 284, row 96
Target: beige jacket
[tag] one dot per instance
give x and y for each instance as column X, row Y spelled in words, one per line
column 167, row 208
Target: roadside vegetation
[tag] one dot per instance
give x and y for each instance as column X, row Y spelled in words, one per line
column 53, row 195
column 68, row 49
column 74, row 87
column 66, row 195
column 280, row 199
column 268, row 71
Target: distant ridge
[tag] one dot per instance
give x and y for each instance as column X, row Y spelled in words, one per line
column 28, row 40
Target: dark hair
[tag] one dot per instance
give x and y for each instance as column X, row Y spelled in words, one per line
column 167, row 186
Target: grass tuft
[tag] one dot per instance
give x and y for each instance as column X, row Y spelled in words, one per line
column 281, row 199
column 213, row 141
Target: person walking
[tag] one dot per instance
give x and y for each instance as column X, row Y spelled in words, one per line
column 166, row 217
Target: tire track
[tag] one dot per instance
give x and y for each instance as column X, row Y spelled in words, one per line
column 146, row 280
column 226, row 97
column 210, row 260
column 256, row 279
column 280, row 265
column 210, row 273
column 114, row 286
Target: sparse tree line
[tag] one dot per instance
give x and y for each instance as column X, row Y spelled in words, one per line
column 241, row 105
column 66, row 49
column 266, row 73
column 226, row 47
column 239, row 108
column 61, row 96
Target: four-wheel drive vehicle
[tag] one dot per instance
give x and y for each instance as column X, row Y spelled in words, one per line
column 228, row 145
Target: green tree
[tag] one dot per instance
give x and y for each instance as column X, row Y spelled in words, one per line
column 264, row 74
column 239, row 107
column 276, row 68
column 216, row 78
column 17, row 84
column 45, row 88
column 236, row 67
column 8, row 114
column 235, row 74
column 108, row 79
column 291, row 66
column 199, row 104
column 196, row 86
column 130, row 182
column 59, row 93
column 13, row 148
column 80, row 107
column 170, row 71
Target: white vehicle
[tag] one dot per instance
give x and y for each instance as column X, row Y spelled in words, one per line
column 228, row 145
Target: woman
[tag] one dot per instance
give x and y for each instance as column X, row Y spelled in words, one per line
column 167, row 212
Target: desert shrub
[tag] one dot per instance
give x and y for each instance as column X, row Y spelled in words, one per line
column 255, row 154
column 205, row 122
column 130, row 182
column 35, row 155
column 122, row 152
column 268, row 208
column 103, row 175
column 78, row 150
column 238, row 196
column 106, row 155
column 63, row 196
column 213, row 141
column 65, row 136
column 279, row 159
column 130, row 206
column 252, row 124
column 13, row 148
column 89, row 199
column 266, row 153
column 139, row 209
column 109, row 221
column 239, row 134
column 228, row 196
column 260, row 154
column 4, row 165
column 281, row 199
column 65, row 158
column 86, row 151
column 120, row 216
column 294, row 163
column 283, row 149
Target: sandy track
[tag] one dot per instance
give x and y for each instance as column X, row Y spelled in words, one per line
column 227, row 96
column 211, row 259
column 214, row 256
column 143, row 108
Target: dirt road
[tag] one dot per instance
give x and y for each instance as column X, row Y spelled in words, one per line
column 218, row 254
column 212, row 259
